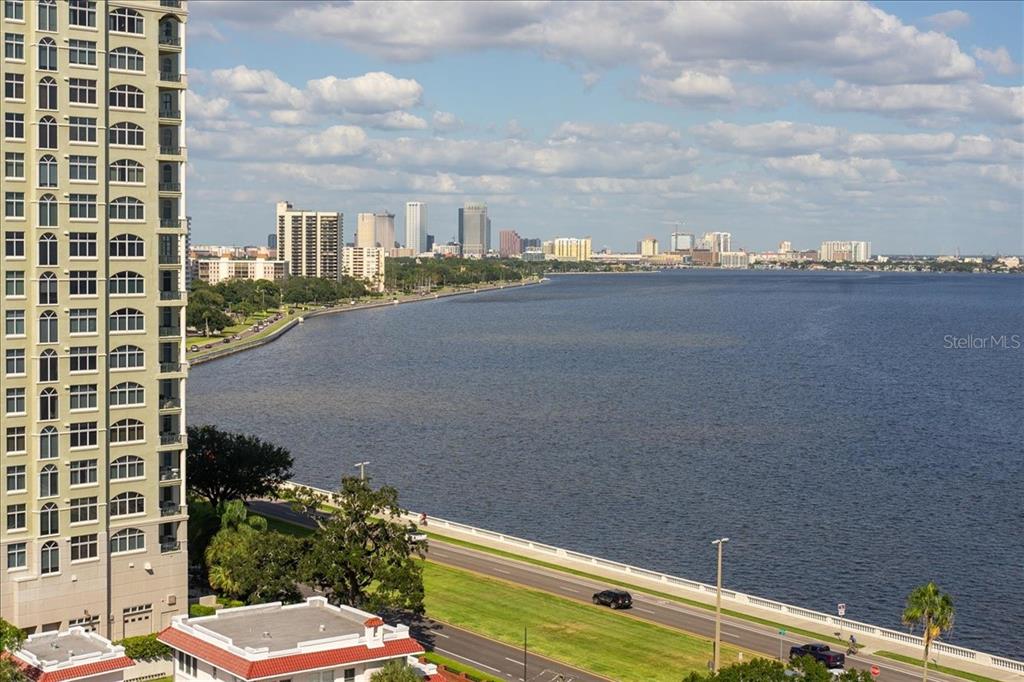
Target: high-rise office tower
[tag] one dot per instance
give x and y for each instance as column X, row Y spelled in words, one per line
column 94, row 229
column 648, row 246
column 375, row 229
column 681, row 241
column 474, row 229
column 845, row 251
column 310, row 241
column 716, row 241
column 509, row 243
column 416, row 226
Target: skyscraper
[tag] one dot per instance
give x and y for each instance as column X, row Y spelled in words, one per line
column 416, row 226
column 648, row 246
column 474, row 229
column 310, row 241
column 509, row 243
column 94, row 230
column 845, row 251
column 716, row 241
column 376, row 229
column 681, row 241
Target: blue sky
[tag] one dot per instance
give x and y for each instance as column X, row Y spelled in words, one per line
column 899, row 123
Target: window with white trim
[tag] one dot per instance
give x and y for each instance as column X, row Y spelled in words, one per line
column 49, row 558
column 83, row 434
column 126, row 97
column 124, row 20
column 127, row 208
column 129, row 466
column 82, row 91
column 14, row 165
column 127, row 357
column 83, row 396
column 82, row 52
column 82, row 129
column 127, row 171
column 125, row 134
column 127, row 540
column 16, row 480
column 47, row 94
column 83, row 547
column 126, row 59
column 82, row 245
column 83, row 472
column 127, row 394
column 128, row 504
column 82, row 13
column 127, row 431
column 14, row 86
column 83, row 321
column 127, row 320
column 49, row 485
column 126, row 284
column 82, row 359
column 17, row 518
column 84, row 509
column 17, row 555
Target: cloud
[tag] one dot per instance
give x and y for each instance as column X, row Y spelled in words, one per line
column 969, row 100
column 814, row 166
column 998, row 59
column 446, row 121
column 689, row 87
column 336, row 141
column 947, row 21
column 371, row 93
column 257, row 87
column 204, row 108
column 770, row 139
column 590, row 79
column 392, row 120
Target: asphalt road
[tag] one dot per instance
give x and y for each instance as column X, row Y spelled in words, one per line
column 752, row 636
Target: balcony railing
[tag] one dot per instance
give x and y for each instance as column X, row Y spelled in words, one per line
column 170, row 77
column 170, row 403
column 170, row 3
column 170, row 473
column 169, row 509
column 170, row 150
column 171, row 295
column 170, row 113
column 174, row 41
column 169, row 545
column 170, row 331
column 172, row 223
column 168, row 367
column 170, row 186
column 169, row 258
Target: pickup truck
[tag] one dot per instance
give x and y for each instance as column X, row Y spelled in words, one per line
column 819, row 652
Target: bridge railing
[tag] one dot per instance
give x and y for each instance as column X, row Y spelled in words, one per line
column 729, row 597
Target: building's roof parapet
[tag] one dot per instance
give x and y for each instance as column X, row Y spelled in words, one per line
column 69, row 655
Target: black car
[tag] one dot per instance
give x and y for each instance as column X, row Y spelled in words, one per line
column 819, row 652
column 616, row 599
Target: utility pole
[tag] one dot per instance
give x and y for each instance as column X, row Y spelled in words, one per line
column 718, row 606
column 362, row 470
column 524, row 655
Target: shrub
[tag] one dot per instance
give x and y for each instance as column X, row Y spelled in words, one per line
column 199, row 610
column 145, row 648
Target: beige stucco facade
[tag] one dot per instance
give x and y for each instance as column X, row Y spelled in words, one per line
column 94, row 376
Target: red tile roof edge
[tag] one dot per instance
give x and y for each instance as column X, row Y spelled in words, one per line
column 75, row 672
column 281, row 665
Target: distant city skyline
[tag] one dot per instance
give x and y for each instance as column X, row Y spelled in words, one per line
column 895, row 123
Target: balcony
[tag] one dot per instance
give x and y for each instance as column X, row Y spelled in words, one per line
column 169, row 545
column 170, row 77
column 170, row 187
column 170, row 367
column 170, row 223
column 170, row 509
column 170, row 258
column 171, row 114
column 170, row 403
column 171, row 3
column 170, row 41
column 172, row 295
column 170, row 474
column 170, row 331
column 170, row 150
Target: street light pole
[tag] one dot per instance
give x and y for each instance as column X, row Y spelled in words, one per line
column 718, row 606
column 362, row 470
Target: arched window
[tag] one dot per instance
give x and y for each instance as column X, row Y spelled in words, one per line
column 48, row 486
column 127, row 320
column 124, row 20
column 48, row 365
column 48, row 443
column 127, row 357
column 47, row 132
column 126, row 59
column 46, row 17
column 127, row 540
column 127, row 170
column 126, row 97
column 127, row 246
column 126, row 284
column 47, row 55
column 127, row 134
column 169, row 30
column 47, row 249
column 47, row 171
column 49, row 558
column 168, row 209
column 49, row 519
column 128, row 466
column 127, row 431
column 48, row 327
column 127, row 393
column 127, row 504
column 47, row 211
column 48, row 404
column 167, row 173
column 127, row 208
column 48, row 289
column 48, row 93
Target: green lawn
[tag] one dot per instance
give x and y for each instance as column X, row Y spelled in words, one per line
column 457, row 667
column 285, row 527
column 941, row 668
column 589, row 637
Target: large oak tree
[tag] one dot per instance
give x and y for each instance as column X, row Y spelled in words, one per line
column 225, row 466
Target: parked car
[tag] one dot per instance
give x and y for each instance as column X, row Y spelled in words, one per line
column 616, row 599
column 819, row 652
column 194, row 348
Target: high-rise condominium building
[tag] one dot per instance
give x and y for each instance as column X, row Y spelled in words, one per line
column 474, row 229
column 416, row 226
column 214, row 270
column 310, row 241
column 648, row 246
column 716, row 241
column 681, row 241
column 569, row 248
column 376, row 229
column 365, row 263
column 845, row 251
column 509, row 243
column 785, row 246
column 94, row 233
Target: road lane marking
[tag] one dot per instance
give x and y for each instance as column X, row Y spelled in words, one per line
column 502, row 570
column 467, row 660
column 643, row 610
column 512, row 660
column 441, row 634
column 569, row 589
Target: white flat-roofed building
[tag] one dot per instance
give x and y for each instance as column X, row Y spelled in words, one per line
column 366, row 264
column 69, row 655
column 733, row 259
column 311, row 640
column 845, row 251
column 214, row 270
column 309, row 240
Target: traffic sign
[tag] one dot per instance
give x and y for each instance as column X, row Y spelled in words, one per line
column 875, row 671
column 842, row 609
column 782, row 632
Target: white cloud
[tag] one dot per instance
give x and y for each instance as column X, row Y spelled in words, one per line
column 969, row 100
column 816, row 167
column 998, row 59
column 773, row 139
column 336, row 141
column 947, row 21
column 446, row 121
column 372, row 93
column 876, row 144
column 203, row 108
column 392, row 120
column 689, row 87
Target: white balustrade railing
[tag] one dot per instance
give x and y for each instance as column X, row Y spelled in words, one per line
column 736, row 598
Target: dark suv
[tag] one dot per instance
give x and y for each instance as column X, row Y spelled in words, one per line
column 617, row 599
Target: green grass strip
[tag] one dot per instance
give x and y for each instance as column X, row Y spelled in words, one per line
column 932, row 666
column 457, row 668
column 612, row 581
column 588, row 637
column 285, row 527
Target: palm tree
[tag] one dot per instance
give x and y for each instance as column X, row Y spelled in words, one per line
column 933, row 611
